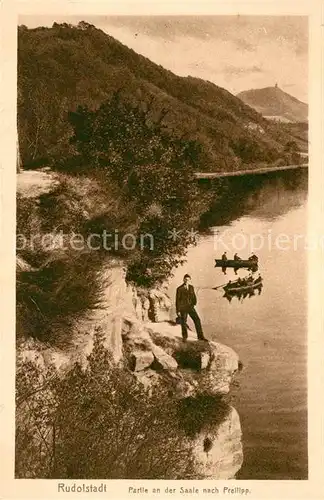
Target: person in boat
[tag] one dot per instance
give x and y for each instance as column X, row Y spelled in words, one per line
column 240, row 282
column 224, row 256
column 249, row 279
column 185, row 304
column 253, row 257
column 236, row 257
column 229, row 285
column 258, row 280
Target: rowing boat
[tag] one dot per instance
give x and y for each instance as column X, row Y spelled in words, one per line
column 251, row 286
column 250, row 264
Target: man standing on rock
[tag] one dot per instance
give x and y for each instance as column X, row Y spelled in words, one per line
column 185, row 304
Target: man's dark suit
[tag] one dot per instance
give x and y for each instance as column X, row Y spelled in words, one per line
column 185, row 304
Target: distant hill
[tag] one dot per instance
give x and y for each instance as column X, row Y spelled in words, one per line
column 65, row 66
column 273, row 103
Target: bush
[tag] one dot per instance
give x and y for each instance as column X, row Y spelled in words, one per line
column 97, row 423
column 198, row 413
column 50, row 298
column 250, row 151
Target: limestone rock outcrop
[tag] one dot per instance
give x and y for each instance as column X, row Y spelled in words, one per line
column 196, row 366
column 154, row 351
column 218, row 450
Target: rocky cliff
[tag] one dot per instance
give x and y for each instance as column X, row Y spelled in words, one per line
column 153, row 351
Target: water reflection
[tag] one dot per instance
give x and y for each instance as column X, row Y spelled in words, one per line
column 265, row 197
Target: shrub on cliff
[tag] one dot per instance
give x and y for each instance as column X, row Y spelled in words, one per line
column 201, row 412
column 97, row 423
column 51, row 298
column 63, row 283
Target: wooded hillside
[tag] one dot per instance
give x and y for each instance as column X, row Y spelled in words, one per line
column 65, row 66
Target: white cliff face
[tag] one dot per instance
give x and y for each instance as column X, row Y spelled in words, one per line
column 121, row 305
column 218, row 451
column 117, row 302
column 154, row 351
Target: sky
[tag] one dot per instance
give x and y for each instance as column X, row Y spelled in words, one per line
column 234, row 52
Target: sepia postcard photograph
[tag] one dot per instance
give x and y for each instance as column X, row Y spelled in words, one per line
column 162, row 254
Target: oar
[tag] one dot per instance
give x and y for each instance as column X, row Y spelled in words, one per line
column 220, row 286
column 214, row 288
column 207, row 288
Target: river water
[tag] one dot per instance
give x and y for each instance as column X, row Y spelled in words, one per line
column 268, row 331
